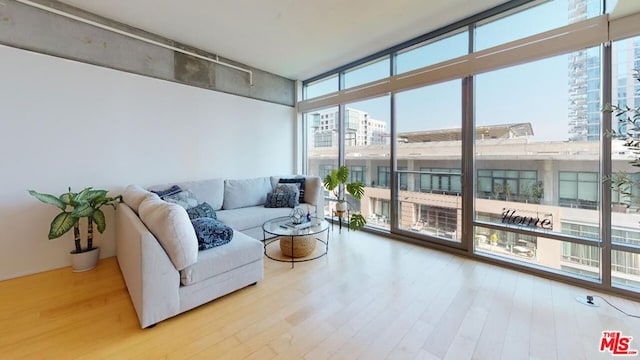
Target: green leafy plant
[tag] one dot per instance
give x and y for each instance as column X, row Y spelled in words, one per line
column 75, row 206
column 338, row 182
column 629, row 131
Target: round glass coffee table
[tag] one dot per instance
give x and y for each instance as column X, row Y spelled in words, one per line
column 297, row 242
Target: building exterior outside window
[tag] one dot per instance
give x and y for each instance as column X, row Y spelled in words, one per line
column 360, row 129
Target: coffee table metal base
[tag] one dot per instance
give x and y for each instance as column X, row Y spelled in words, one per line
column 292, row 259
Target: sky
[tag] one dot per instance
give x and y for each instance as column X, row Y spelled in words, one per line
column 535, row 92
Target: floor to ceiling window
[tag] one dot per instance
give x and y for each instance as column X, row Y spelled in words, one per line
column 429, row 148
column 367, row 147
column 625, row 200
column 535, row 168
column 322, row 145
column 510, row 116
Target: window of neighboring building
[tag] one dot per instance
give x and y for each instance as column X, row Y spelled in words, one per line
column 625, row 269
column 403, row 177
column 382, row 208
column 325, row 170
column 581, row 230
column 438, row 221
column 625, row 236
column 581, row 254
column 578, row 189
column 512, row 185
column 356, row 173
column 384, row 176
column 440, row 180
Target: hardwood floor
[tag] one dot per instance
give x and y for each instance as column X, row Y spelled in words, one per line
column 369, row 298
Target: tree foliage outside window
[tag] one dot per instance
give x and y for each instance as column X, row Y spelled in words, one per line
column 629, row 131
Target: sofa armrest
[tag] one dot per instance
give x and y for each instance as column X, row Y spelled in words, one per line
column 151, row 278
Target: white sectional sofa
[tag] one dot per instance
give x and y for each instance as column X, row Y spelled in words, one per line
column 157, row 249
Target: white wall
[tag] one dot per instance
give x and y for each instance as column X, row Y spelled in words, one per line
column 64, row 123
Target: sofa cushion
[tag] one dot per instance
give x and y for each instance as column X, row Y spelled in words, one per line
column 313, row 189
column 133, row 196
column 211, row 232
column 241, row 250
column 250, row 217
column 210, row 191
column 245, row 192
column 170, row 224
column 201, row 210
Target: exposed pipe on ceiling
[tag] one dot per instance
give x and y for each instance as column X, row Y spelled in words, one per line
column 134, row 36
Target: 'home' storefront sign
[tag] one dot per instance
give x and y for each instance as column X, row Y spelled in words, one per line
column 513, row 217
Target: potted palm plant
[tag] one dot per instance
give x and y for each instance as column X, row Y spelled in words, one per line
column 337, row 181
column 75, row 206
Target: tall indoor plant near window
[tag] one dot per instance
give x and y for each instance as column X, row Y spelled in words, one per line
column 75, row 206
column 338, row 182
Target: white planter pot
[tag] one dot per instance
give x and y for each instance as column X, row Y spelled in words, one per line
column 341, row 206
column 85, row 261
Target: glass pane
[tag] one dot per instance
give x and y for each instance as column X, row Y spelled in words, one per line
column 577, row 260
column 321, row 87
column 367, row 147
column 429, row 143
column 546, row 16
column 625, row 207
column 625, row 270
column 433, row 52
column 549, row 139
column 322, row 145
column 376, row 70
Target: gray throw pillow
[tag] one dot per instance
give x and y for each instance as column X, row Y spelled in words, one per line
column 211, row 232
column 297, row 180
column 289, row 188
column 184, row 198
column 281, row 200
column 202, row 210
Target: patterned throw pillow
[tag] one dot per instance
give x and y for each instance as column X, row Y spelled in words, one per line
column 184, row 198
column 170, row 191
column 300, row 181
column 281, row 200
column 201, row 210
column 289, row 188
column 211, row 232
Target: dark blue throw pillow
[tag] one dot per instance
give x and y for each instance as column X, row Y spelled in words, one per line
column 166, row 192
column 201, row 210
column 211, row 232
column 298, row 180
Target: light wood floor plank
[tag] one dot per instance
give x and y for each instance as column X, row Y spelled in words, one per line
column 369, row 298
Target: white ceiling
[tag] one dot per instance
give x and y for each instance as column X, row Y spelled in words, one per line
column 296, row 39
